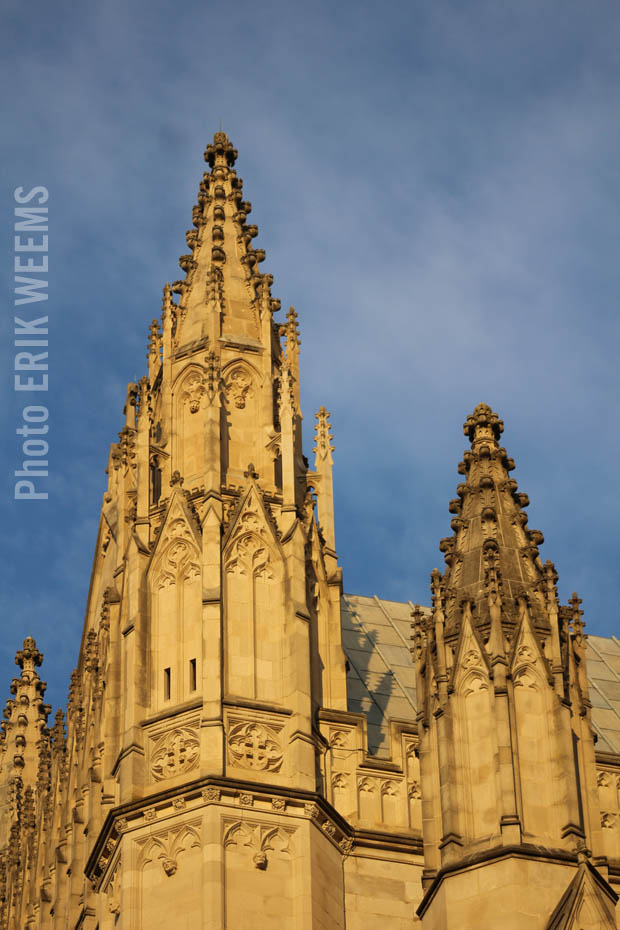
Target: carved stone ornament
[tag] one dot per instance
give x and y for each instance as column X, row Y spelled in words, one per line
column 471, row 659
column 254, row 746
column 238, row 386
column 247, row 800
column 211, row 794
column 194, row 387
column 168, row 845
column 278, row 804
column 175, row 753
column 414, row 791
column 261, row 838
column 338, row 739
column 169, row 865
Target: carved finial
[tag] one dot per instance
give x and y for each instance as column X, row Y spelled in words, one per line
column 436, row 589
column 91, row 658
column 577, row 625
column 129, row 410
column 291, row 330
column 323, row 447
column 251, row 472
column 176, row 479
column 154, row 345
column 167, row 305
column 550, row 577
column 221, row 152
column 58, row 732
column 29, row 656
column 418, row 635
column 213, row 376
column 483, row 425
column 287, row 396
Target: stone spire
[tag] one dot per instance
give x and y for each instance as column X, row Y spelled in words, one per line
column 23, row 758
column 221, row 254
column 506, row 742
column 492, row 557
column 25, row 715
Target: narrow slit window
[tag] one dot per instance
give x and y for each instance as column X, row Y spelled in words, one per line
column 192, row 674
column 166, row 684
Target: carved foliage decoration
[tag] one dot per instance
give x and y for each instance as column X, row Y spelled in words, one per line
column 175, row 753
column 167, row 846
column 338, row 739
column 249, row 552
column 239, row 385
column 192, row 390
column 178, row 556
column 261, row 838
column 526, row 670
column 249, row 556
column 254, row 746
column 470, row 672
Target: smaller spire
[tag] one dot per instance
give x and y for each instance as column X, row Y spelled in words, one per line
column 323, row 447
column 418, row 634
column 291, row 330
column 577, row 625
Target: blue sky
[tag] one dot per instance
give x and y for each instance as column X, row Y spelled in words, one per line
column 436, row 186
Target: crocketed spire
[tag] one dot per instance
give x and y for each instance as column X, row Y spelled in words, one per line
column 221, row 254
column 492, row 557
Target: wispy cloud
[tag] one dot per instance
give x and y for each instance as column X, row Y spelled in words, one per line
column 436, row 189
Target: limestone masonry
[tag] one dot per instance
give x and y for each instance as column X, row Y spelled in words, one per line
column 245, row 747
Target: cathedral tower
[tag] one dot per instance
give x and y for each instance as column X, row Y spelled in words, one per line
column 246, row 746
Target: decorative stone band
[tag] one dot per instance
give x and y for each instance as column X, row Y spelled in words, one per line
column 163, row 809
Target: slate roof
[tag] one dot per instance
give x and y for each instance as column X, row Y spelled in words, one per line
column 381, row 679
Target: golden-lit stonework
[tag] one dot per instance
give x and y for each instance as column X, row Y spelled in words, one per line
column 245, row 746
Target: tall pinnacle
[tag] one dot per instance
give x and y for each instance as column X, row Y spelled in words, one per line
column 223, row 292
column 492, row 557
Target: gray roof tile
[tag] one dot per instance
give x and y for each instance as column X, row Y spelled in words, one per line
column 381, row 677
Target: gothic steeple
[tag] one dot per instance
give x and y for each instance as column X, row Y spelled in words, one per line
column 506, row 741
column 492, row 558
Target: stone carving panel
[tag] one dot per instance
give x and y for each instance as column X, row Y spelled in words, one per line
column 261, row 838
column 167, row 845
column 238, row 382
column 194, row 387
column 253, row 745
column 175, row 753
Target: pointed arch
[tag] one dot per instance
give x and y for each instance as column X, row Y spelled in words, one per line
column 188, row 399
column 174, row 585
column 253, row 592
column 540, row 780
column 242, row 389
column 474, row 735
